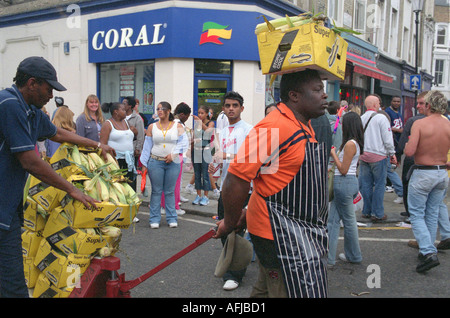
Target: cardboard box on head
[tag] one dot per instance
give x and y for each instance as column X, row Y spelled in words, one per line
column 308, row 46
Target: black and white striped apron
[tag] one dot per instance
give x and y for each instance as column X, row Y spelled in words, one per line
column 298, row 215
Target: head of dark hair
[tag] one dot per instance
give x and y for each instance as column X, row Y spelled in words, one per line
column 352, row 128
column 167, row 106
column 182, row 108
column 333, row 107
column 234, row 96
column 204, row 108
column 110, row 107
column 295, row 81
column 131, row 101
column 21, row 79
column 268, row 106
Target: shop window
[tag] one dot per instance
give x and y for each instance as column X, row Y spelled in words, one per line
column 118, row 80
column 211, row 83
column 203, row 66
column 272, row 91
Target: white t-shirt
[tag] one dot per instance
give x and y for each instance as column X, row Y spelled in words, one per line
column 231, row 138
column 222, row 121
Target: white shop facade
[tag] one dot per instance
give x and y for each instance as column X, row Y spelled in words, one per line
column 174, row 51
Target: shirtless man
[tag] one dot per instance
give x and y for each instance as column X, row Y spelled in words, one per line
column 429, row 143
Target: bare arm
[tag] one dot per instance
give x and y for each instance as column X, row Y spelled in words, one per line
column 234, row 193
column 63, row 135
column 411, row 145
column 349, row 152
column 41, row 170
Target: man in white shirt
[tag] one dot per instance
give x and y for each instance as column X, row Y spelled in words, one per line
column 230, row 139
column 221, row 123
column 378, row 148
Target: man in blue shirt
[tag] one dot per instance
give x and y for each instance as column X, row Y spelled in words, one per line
column 396, row 121
column 22, row 123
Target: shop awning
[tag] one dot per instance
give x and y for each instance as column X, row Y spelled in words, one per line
column 368, row 70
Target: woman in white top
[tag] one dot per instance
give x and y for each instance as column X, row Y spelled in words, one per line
column 164, row 141
column 119, row 135
column 346, row 188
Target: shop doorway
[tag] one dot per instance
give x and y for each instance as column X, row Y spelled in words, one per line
column 210, row 92
column 211, row 82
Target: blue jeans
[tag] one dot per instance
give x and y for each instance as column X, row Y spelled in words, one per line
column 202, row 159
column 12, row 278
column 372, row 183
column 444, row 222
column 345, row 190
column 395, row 180
column 163, row 177
column 426, row 192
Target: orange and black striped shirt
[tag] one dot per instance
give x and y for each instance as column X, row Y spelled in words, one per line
column 271, row 156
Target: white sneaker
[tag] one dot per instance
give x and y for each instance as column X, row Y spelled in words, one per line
column 135, row 220
column 181, row 212
column 173, row 225
column 389, row 189
column 230, row 285
column 154, row 225
column 342, row 257
column 190, row 189
column 183, row 199
column 163, row 211
column 216, row 194
column 399, row 200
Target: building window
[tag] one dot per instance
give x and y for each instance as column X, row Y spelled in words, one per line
column 441, row 32
column 333, row 9
column 118, row 80
column 439, row 72
column 360, row 15
column 393, row 36
column 406, row 49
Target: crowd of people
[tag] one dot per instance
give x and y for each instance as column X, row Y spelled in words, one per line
column 364, row 151
column 384, row 141
column 277, row 192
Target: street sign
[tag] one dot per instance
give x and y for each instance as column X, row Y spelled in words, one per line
column 415, row 82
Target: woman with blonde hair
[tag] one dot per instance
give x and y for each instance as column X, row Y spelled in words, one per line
column 89, row 123
column 63, row 119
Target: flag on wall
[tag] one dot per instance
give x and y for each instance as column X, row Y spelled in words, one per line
column 213, row 32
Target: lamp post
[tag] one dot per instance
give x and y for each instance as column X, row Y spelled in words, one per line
column 417, row 6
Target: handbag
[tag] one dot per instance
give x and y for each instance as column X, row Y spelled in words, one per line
column 331, row 181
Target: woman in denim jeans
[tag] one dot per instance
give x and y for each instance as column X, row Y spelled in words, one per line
column 201, row 154
column 164, row 141
column 345, row 190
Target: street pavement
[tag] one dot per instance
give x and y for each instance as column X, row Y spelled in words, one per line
column 387, row 269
